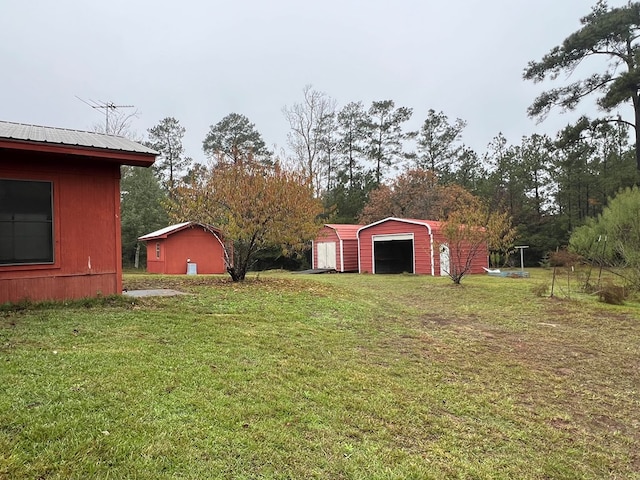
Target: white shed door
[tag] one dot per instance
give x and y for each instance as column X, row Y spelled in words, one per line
column 327, row 255
column 445, row 261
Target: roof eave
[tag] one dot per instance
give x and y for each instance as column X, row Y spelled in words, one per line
column 137, row 159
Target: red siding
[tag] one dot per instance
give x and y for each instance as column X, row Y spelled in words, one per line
column 194, row 243
column 155, row 263
column 350, row 254
column 86, row 205
column 58, row 287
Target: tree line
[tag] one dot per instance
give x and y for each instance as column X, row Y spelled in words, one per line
column 363, row 163
column 364, row 170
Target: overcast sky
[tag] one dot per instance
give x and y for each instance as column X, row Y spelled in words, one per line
column 200, row 60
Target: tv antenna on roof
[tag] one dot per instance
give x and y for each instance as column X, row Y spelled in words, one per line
column 107, row 107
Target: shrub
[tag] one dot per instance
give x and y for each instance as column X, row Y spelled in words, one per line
column 540, row 290
column 612, row 294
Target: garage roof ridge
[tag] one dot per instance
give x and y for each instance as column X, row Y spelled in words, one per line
column 426, row 223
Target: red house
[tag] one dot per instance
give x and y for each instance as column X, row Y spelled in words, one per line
column 60, row 211
column 397, row 245
column 170, row 249
column 336, row 247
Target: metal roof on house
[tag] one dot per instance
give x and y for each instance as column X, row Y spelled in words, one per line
column 166, row 231
column 163, row 232
column 62, row 136
column 345, row 231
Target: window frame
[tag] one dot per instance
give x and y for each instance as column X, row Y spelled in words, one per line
column 55, row 224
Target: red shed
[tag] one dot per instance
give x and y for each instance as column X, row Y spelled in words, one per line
column 171, row 248
column 336, row 246
column 396, row 245
column 60, row 211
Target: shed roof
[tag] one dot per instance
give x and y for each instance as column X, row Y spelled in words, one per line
column 345, row 231
column 430, row 224
column 36, row 137
column 171, row 229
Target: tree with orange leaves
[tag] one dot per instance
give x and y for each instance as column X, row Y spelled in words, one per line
column 256, row 206
column 415, row 194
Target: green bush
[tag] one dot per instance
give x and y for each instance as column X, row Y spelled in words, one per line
column 613, row 238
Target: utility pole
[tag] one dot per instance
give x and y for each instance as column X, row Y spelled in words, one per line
column 107, row 107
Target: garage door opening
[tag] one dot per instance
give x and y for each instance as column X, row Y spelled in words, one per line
column 393, row 256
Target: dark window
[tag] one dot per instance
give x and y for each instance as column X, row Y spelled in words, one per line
column 157, row 250
column 26, row 222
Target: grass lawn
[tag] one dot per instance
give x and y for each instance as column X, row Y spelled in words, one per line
column 323, row 376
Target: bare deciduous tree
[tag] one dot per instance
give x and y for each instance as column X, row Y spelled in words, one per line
column 308, row 136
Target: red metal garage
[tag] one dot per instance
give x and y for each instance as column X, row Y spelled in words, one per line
column 60, row 211
column 397, row 245
column 171, row 248
column 336, row 247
